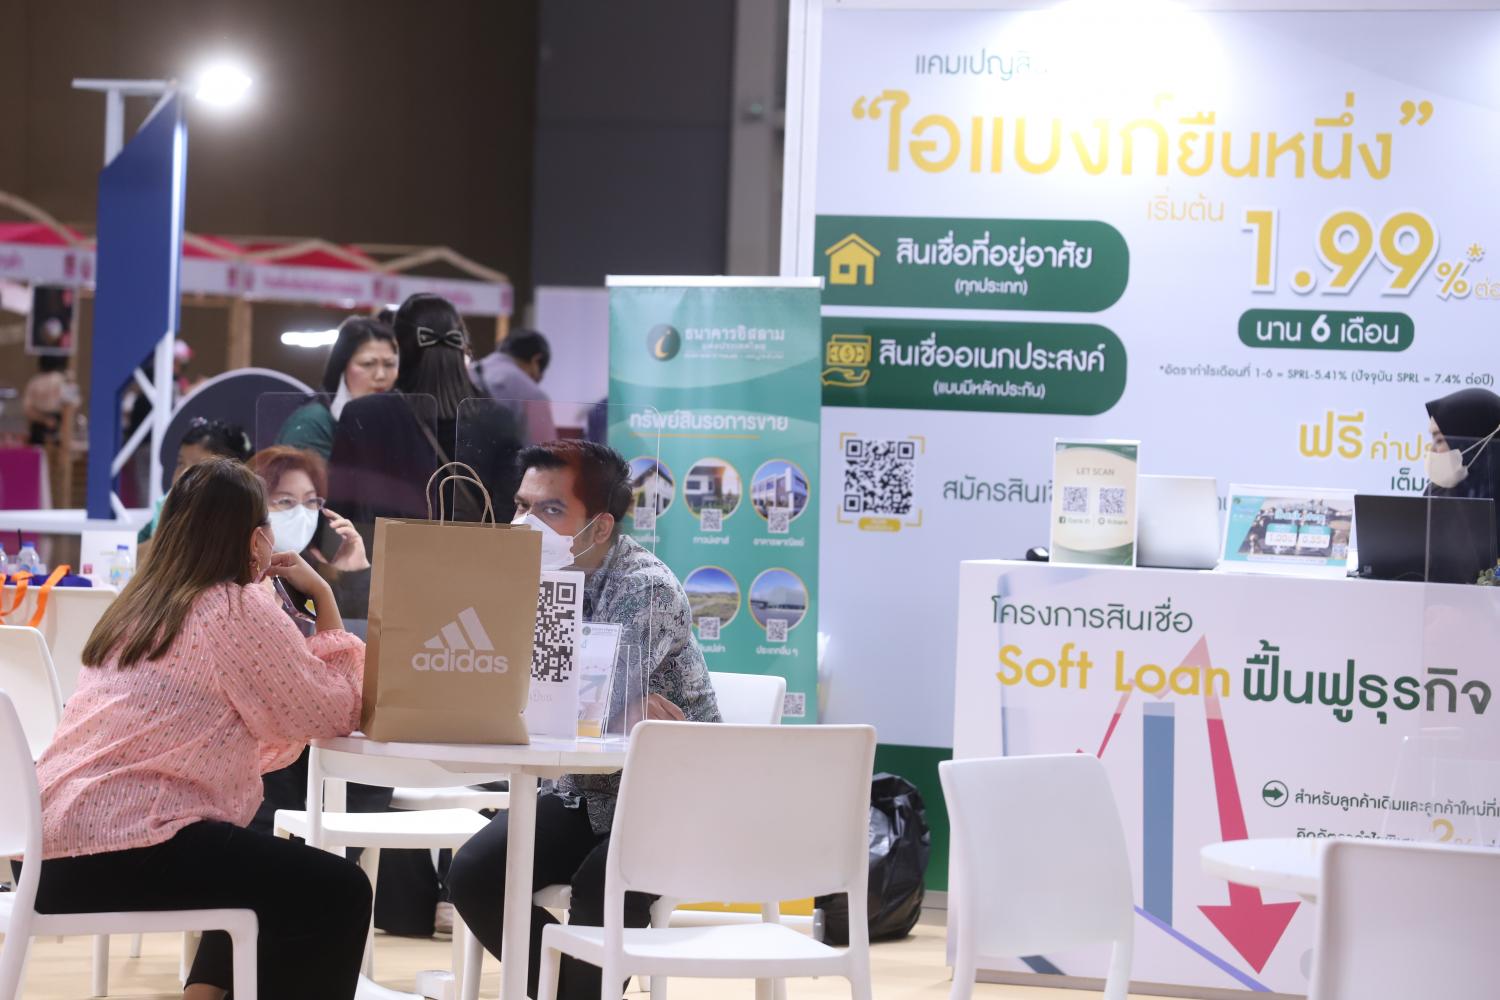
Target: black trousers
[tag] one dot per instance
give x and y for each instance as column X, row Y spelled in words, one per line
column 568, row 852
column 313, row 907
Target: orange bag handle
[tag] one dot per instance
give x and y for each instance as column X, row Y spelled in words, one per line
column 44, row 592
column 22, row 580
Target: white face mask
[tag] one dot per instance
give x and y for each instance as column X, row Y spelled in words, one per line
column 1447, row 469
column 293, row 528
column 557, row 550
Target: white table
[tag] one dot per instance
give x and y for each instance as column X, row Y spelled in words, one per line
column 68, row 521
column 1285, row 864
column 542, row 758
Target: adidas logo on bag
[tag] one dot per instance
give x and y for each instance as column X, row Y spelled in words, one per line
column 462, row 645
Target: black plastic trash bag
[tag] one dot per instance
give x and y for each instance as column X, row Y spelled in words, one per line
column 900, row 844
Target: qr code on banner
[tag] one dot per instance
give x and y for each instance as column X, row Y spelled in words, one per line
column 556, row 631
column 795, row 705
column 1112, row 500
column 711, row 519
column 1075, row 499
column 708, row 628
column 645, row 518
column 878, row 476
column 779, row 521
column 776, row 630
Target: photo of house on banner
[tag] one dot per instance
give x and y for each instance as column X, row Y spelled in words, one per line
column 778, row 485
column 712, row 484
column 778, row 602
column 653, row 483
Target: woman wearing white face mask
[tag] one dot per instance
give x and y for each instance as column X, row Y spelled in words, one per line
column 296, row 482
column 1464, row 461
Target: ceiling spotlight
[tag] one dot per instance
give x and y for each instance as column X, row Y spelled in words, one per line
column 223, row 84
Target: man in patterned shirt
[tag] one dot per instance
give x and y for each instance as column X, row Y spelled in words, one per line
column 581, row 490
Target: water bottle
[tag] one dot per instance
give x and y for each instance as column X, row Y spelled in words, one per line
column 121, row 567
column 5, row 569
column 28, row 560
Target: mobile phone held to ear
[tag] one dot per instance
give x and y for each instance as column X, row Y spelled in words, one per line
column 305, row 620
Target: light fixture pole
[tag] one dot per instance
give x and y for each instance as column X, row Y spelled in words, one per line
column 159, row 389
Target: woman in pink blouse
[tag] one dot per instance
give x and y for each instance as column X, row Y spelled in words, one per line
column 196, row 683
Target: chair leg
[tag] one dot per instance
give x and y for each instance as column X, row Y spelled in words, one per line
column 456, row 957
column 370, row 862
column 859, row 980
column 101, row 966
column 765, row 989
column 551, row 963
column 135, row 945
column 1117, row 983
column 244, row 965
column 658, row 987
column 473, row 966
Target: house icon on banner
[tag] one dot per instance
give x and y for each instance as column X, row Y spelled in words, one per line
column 852, row 261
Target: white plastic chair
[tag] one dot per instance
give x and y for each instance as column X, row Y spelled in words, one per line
column 326, row 824
column 820, row 774
column 28, row 674
column 1026, row 887
column 21, row 836
column 1398, row 921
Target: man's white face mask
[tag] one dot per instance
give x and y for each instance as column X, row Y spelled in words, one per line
column 557, row 550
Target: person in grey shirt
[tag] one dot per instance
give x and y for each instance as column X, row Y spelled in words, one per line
column 512, row 374
column 577, row 493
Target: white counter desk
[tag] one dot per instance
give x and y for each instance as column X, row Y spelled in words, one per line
column 1229, row 706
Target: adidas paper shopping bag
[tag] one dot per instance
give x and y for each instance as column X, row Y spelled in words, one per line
column 452, row 612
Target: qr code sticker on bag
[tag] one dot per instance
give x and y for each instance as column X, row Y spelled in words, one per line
column 1075, row 500
column 645, row 518
column 776, row 630
column 711, row 519
column 556, row 630
column 708, row 627
column 779, row 521
column 794, row 706
column 1112, row 500
column 879, row 476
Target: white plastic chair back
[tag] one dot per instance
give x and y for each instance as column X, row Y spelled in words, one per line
column 1398, row 921
column 751, row 699
column 20, row 835
column 26, row 672
column 72, row 613
column 734, row 787
column 1030, row 886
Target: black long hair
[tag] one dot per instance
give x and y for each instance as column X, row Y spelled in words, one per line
column 434, row 347
column 354, row 333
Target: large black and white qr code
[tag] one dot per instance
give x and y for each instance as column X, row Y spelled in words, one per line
column 559, row 605
column 879, row 476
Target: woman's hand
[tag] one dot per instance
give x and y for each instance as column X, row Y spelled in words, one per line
column 350, row 557
column 292, row 568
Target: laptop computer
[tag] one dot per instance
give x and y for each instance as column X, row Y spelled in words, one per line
column 1178, row 524
column 1432, row 539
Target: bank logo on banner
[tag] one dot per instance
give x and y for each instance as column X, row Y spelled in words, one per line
column 851, row 261
column 664, row 342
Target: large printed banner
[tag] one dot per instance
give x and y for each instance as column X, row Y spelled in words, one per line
column 1255, row 242
column 1227, row 706
column 725, row 372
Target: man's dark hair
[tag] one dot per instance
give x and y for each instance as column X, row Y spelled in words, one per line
column 602, row 476
column 523, row 345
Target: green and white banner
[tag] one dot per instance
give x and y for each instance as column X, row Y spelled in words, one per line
column 726, row 372
column 1255, row 241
